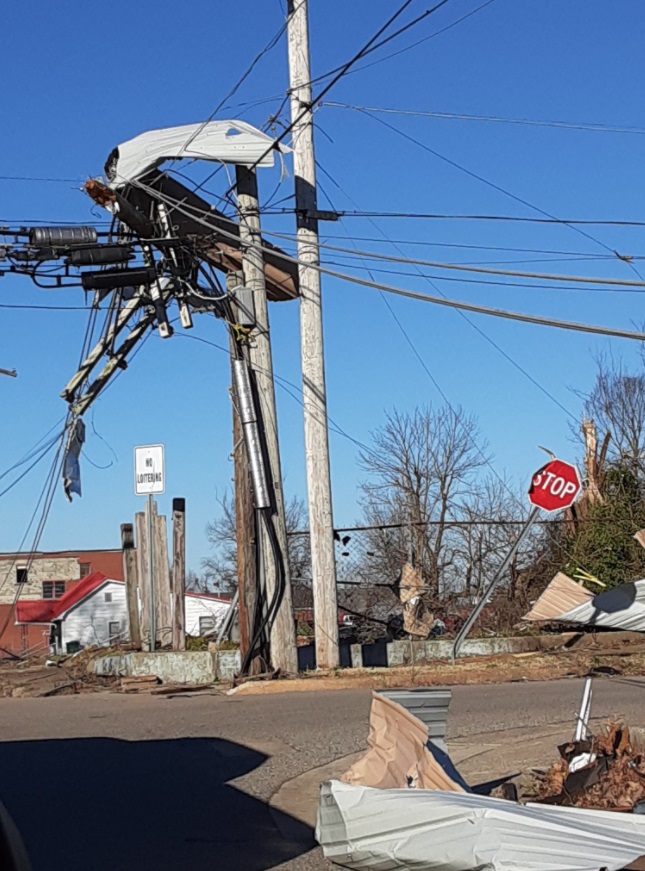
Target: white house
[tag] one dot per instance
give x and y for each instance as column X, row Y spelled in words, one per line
column 94, row 613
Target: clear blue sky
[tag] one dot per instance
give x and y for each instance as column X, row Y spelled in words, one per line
column 80, row 77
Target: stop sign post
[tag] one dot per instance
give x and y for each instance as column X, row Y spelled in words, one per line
column 554, row 487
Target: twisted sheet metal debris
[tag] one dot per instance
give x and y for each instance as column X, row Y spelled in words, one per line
column 370, row 820
column 622, row 607
column 364, row 828
column 234, row 142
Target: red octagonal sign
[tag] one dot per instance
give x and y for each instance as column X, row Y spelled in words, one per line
column 555, row 486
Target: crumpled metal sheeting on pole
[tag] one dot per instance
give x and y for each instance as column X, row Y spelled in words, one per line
column 234, row 142
column 386, row 829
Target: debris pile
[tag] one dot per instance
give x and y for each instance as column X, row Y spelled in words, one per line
column 613, row 777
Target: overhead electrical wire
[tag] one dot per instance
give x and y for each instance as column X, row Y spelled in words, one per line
column 445, row 398
column 35, row 178
column 542, row 321
column 469, row 246
column 455, row 217
column 287, row 386
column 342, row 71
column 268, row 47
column 46, row 498
column 481, row 282
column 493, row 185
column 457, row 116
column 478, row 309
column 460, row 267
column 402, row 30
column 463, row 315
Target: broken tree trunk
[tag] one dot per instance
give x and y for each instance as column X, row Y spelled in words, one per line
column 131, row 582
column 179, row 574
column 163, row 595
column 142, row 551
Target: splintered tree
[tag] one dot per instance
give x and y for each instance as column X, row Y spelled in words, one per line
column 616, row 404
column 598, row 537
column 421, row 469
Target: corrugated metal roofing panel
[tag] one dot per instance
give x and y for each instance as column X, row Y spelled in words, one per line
column 428, row 830
column 562, row 594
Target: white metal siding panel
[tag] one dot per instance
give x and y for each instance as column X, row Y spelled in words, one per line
column 88, row 621
column 197, row 606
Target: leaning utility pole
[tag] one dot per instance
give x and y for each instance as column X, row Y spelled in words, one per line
column 321, row 529
column 282, row 638
column 245, row 521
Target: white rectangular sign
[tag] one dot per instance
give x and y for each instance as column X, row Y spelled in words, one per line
column 149, row 470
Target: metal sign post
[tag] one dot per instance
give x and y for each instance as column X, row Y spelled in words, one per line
column 553, row 488
column 150, row 480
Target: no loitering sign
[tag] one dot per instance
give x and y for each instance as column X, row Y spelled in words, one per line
column 149, row 470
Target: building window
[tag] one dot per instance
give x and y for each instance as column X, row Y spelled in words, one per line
column 108, row 597
column 53, row 589
column 114, row 631
column 22, row 576
column 206, row 625
column 86, row 569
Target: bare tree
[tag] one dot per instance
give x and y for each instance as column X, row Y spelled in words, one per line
column 421, row 469
column 220, row 569
column 616, row 404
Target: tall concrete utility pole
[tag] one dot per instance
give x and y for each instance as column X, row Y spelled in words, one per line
column 282, row 640
column 321, row 529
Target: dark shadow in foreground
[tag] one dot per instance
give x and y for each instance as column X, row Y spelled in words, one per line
column 102, row 803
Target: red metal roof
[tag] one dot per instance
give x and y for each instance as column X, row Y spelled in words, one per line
column 46, row 610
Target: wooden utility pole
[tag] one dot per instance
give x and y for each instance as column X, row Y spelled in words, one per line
column 321, row 527
column 282, row 637
column 163, row 594
column 179, row 574
column 143, row 573
column 131, row 582
column 245, row 526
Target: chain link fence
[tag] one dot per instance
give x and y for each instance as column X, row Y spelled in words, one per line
column 455, row 559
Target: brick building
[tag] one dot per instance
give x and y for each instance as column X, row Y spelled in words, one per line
column 46, row 575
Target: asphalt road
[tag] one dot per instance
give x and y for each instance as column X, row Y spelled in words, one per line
column 143, row 783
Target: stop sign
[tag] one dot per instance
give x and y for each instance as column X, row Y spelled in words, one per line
column 555, row 486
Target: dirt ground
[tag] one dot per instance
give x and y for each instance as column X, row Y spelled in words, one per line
column 585, row 654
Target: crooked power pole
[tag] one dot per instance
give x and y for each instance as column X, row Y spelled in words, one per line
column 282, row 638
column 323, row 563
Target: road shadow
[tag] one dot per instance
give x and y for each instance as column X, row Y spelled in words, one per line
column 99, row 804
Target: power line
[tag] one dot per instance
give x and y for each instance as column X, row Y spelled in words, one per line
column 268, row 47
column 460, row 267
column 408, row 47
column 343, row 70
column 491, row 283
column 586, row 328
column 566, row 125
column 478, row 309
column 468, row 246
column 40, row 179
column 62, row 308
column 285, row 384
column 463, row 315
column 438, row 216
column 491, row 184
